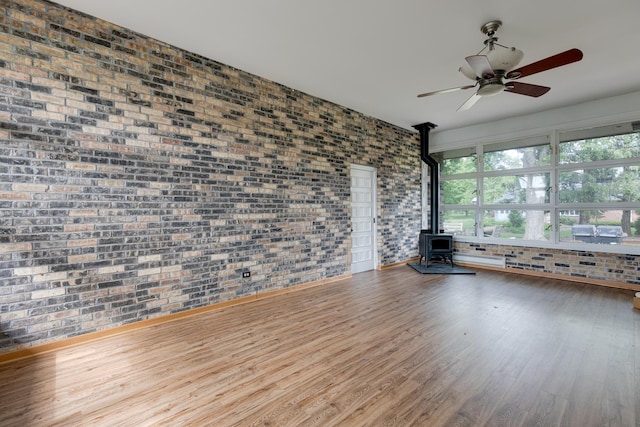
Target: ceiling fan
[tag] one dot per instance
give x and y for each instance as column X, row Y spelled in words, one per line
column 495, row 63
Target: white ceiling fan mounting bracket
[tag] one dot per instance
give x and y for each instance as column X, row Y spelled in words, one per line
column 491, row 27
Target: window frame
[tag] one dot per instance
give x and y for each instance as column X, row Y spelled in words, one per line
column 553, row 138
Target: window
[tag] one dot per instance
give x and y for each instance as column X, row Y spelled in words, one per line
column 571, row 188
column 506, row 195
column 459, row 191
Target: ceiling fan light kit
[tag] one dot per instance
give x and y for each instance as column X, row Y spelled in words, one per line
column 500, row 57
column 494, row 63
column 490, row 87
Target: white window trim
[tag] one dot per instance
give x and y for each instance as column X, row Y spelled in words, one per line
column 554, row 207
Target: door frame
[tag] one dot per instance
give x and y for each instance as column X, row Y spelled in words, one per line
column 374, row 211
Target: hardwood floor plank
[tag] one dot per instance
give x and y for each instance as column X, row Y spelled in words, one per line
column 548, row 410
column 390, row 347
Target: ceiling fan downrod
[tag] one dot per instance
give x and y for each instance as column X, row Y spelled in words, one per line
column 490, row 29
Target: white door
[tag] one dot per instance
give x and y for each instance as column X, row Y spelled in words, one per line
column 363, row 218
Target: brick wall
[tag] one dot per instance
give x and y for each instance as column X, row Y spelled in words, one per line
column 601, row 266
column 138, row 179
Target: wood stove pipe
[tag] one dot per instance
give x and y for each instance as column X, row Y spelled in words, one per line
column 434, row 174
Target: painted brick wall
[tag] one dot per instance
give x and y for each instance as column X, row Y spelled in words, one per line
column 138, row 179
column 621, row 268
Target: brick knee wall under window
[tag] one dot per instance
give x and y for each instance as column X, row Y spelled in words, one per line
column 138, row 179
column 618, row 268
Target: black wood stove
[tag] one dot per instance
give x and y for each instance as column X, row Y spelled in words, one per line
column 435, row 246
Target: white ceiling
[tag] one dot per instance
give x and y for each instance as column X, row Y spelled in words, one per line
column 375, row 56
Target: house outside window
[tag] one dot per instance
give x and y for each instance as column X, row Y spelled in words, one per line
column 567, row 188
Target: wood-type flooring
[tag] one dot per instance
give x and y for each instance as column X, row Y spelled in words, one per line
column 383, row 348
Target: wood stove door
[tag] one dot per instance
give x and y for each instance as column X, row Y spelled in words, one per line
column 363, row 226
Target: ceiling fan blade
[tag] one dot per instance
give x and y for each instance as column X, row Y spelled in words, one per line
column 469, row 103
column 526, row 89
column 453, row 89
column 564, row 58
column 480, row 65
